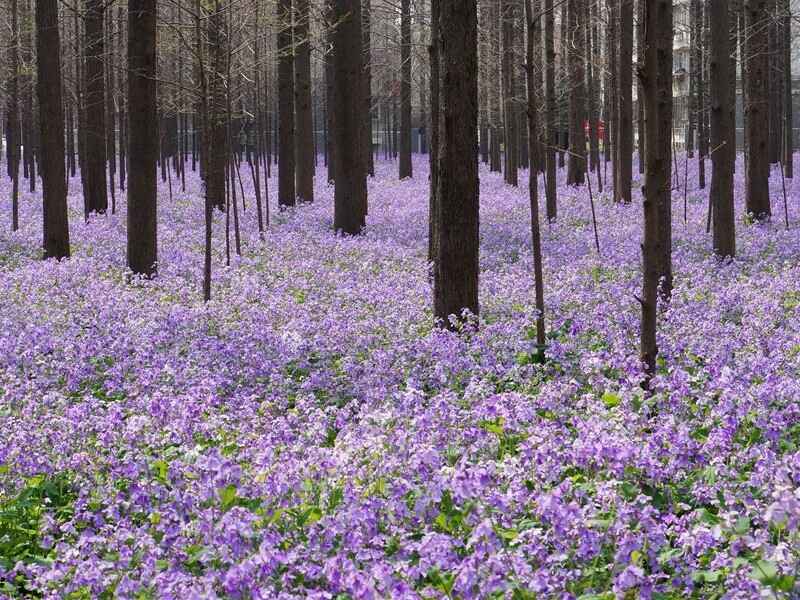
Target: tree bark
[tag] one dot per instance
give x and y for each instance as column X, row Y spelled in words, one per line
column 788, row 109
column 95, row 188
column 723, row 153
column 534, row 32
column 286, row 158
column 757, row 109
column 304, row 134
column 143, row 137
column 551, row 135
column 656, row 78
column 51, row 121
column 625, row 118
column 366, row 19
column 404, row 165
column 350, row 195
column 456, row 276
column 508, row 17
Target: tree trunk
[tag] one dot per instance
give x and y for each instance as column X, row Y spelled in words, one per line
column 722, row 158
column 456, row 277
column 94, row 77
column 304, row 138
column 405, row 168
column 51, row 121
column 350, row 195
column 13, row 136
column 495, row 111
column 143, row 138
column 625, row 118
column 534, row 27
column 656, row 78
column 216, row 148
column 508, row 17
column 286, row 166
column 577, row 97
column 788, row 109
column 757, row 109
column 433, row 158
column 698, row 10
column 551, row 135
column 366, row 19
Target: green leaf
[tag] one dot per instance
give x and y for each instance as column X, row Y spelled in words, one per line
column 764, row 571
column 707, row 576
column 742, row 525
column 611, row 399
column 227, row 496
column 161, row 468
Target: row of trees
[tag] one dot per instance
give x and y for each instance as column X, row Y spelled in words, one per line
column 515, row 83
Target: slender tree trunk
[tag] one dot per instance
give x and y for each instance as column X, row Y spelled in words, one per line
column 625, row 119
column 13, row 116
column 757, row 109
column 722, row 158
column 143, row 140
column 495, row 111
column 433, row 202
column 788, row 109
column 577, row 97
column 350, row 195
column 656, row 79
column 96, row 190
column 366, row 18
column 534, row 33
column 508, row 17
column 304, row 139
column 700, row 102
column 405, row 168
column 550, row 109
column 286, row 166
column 456, row 277
column 216, row 148
column 51, row 120
column 775, row 84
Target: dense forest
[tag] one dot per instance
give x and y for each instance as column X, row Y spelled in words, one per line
column 360, row 299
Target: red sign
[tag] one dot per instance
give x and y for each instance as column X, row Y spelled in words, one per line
column 601, row 129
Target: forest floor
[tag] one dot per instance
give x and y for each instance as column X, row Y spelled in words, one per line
column 308, row 434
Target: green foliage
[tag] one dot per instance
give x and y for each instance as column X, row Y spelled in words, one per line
column 20, row 522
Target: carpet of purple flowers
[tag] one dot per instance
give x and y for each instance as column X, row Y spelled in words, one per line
column 309, row 434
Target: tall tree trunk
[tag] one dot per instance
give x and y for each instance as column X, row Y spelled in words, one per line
column 722, row 158
column 495, row 110
column 775, row 84
column 577, row 97
column 551, row 135
column 534, row 34
column 216, row 147
column 13, row 136
column 433, row 158
column 51, row 120
column 698, row 9
column 757, row 108
column 788, row 109
column 366, row 19
column 304, row 138
column 143, row 137
column 286, row 166
column 405, row 168
column 94, row 83
column 656, row 79
column 350, row 194
column 625, row 118
column 508, row 17
column 455, row 285
column 111, row 138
